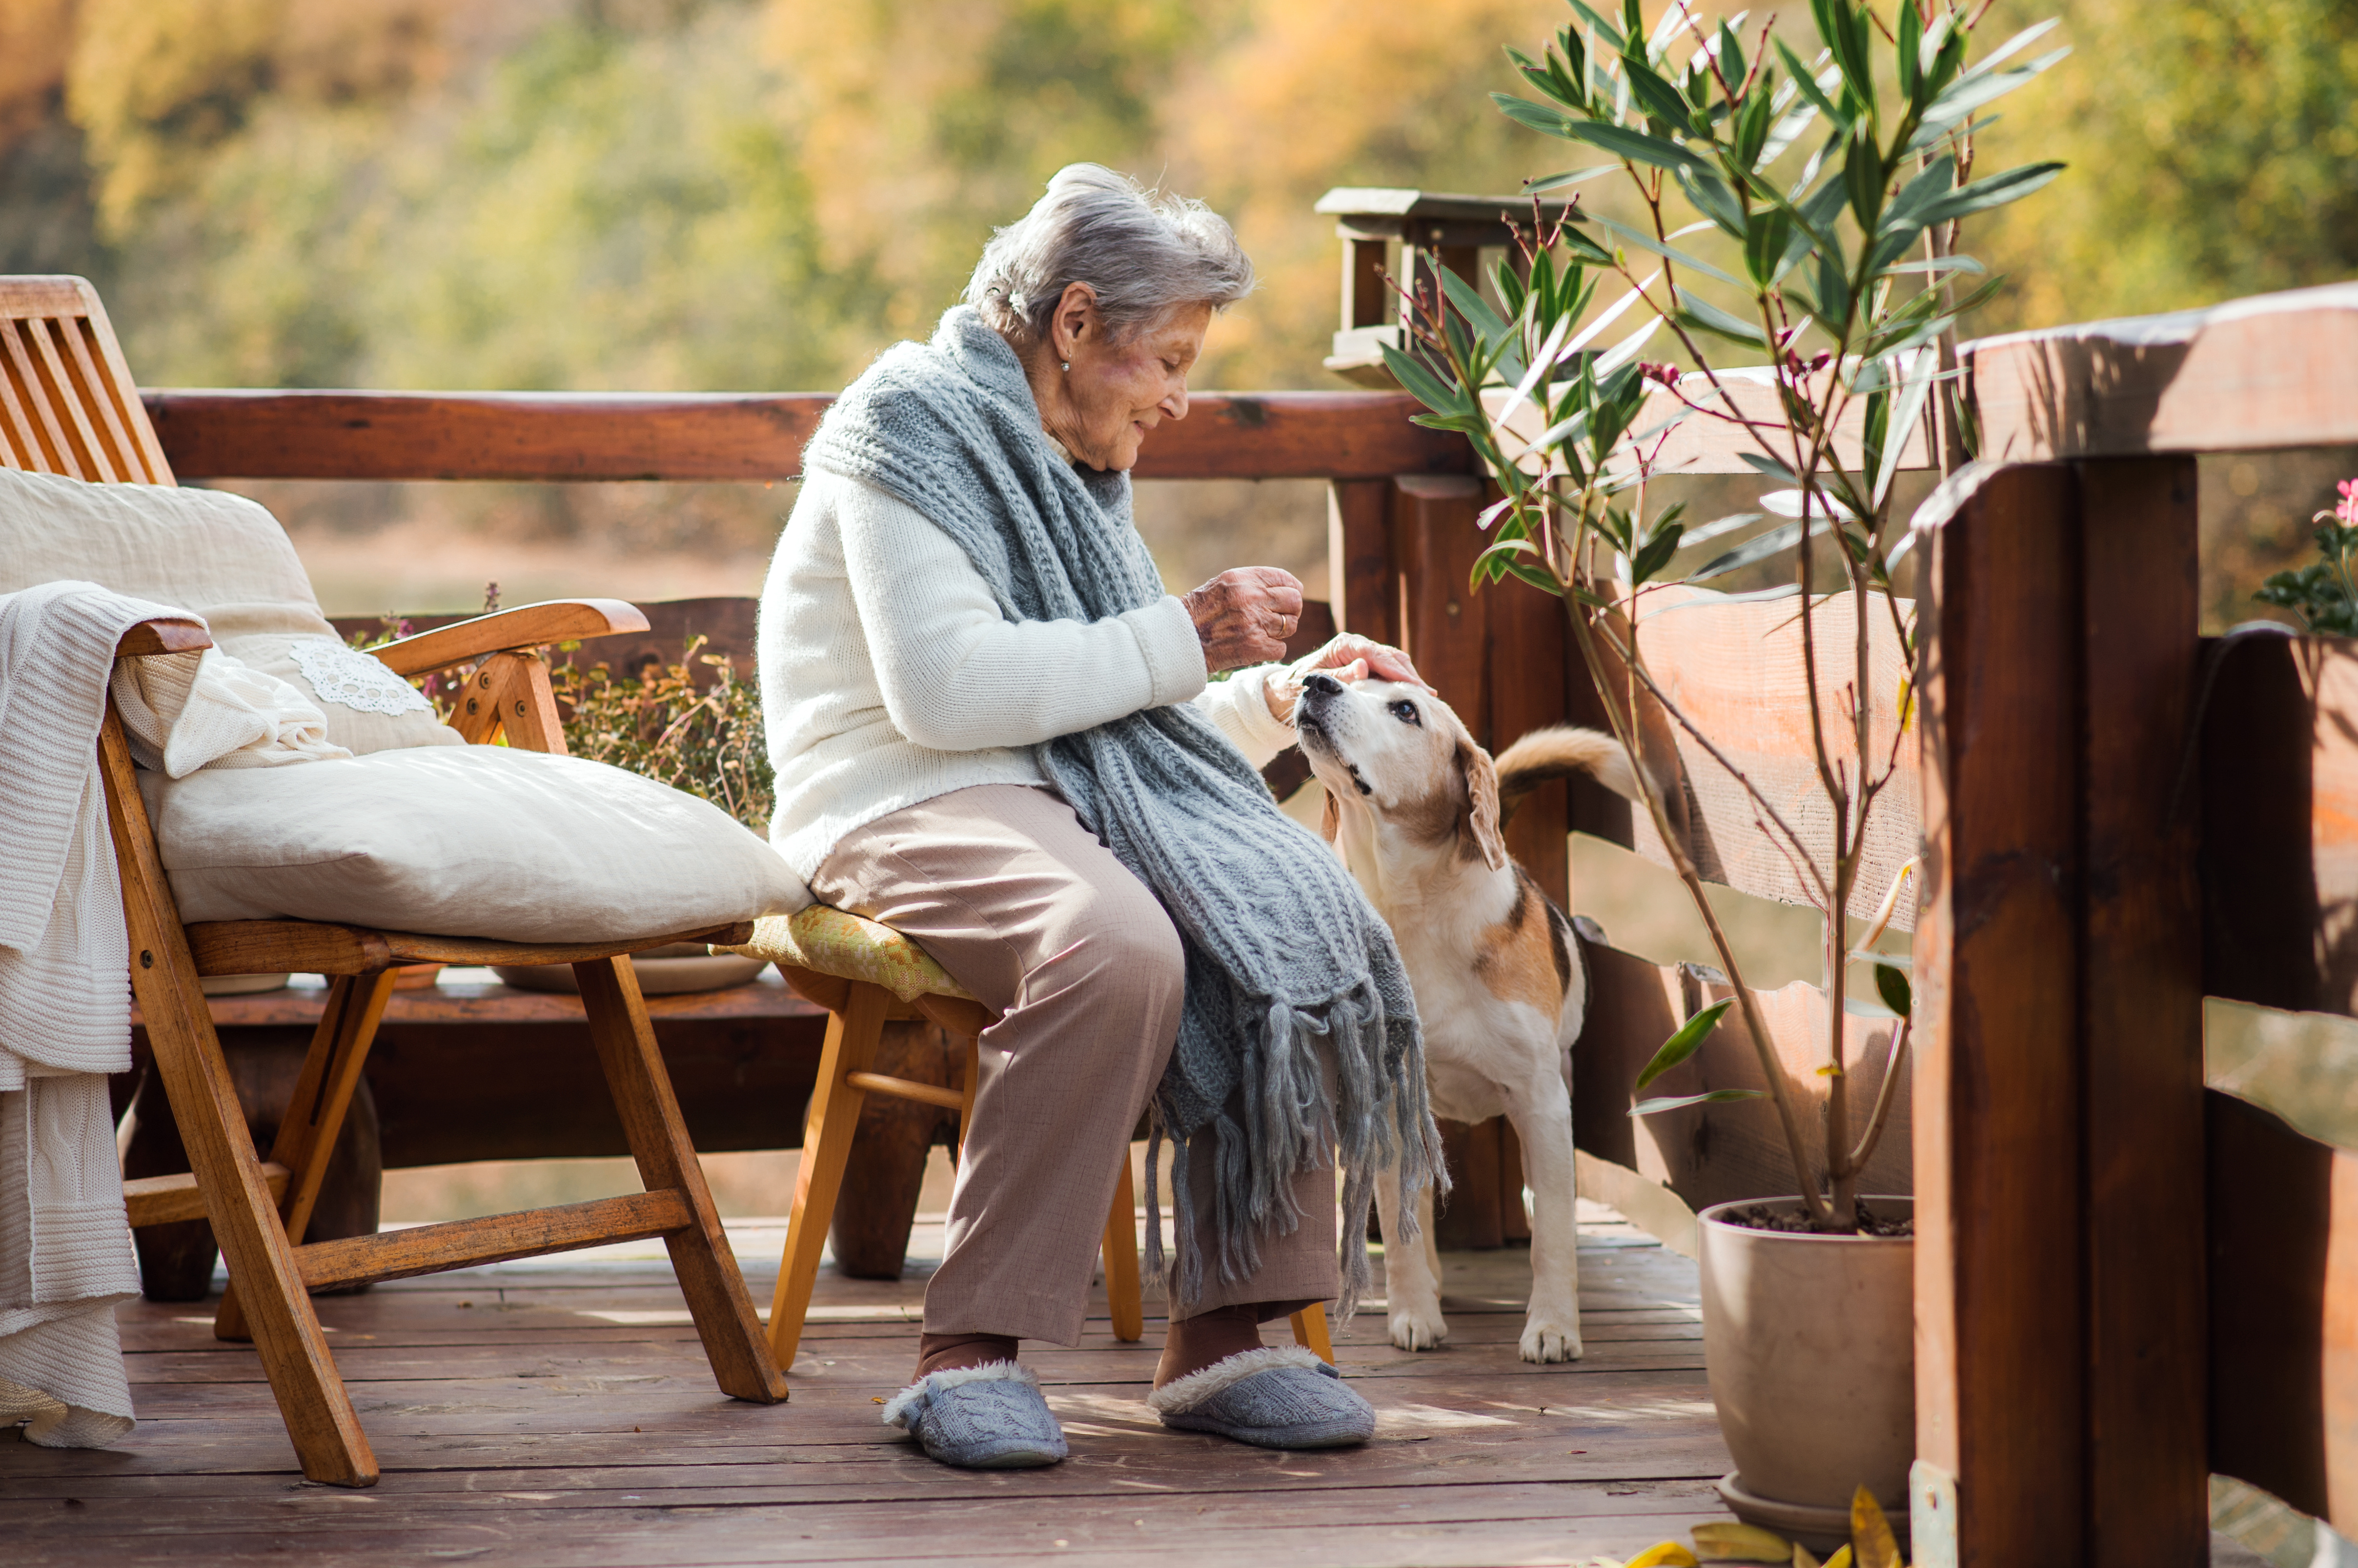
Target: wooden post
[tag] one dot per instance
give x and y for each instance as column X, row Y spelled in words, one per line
column 2000, row 1388
column 1359, row 558
column 2141, row 1007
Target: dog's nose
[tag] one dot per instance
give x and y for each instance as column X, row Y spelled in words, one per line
column 1325, row 685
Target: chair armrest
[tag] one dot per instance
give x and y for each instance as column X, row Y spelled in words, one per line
column 526, row 626
column 163, row 636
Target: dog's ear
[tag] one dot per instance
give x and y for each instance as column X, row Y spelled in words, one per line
column 1482, row 802
column 1330, row 822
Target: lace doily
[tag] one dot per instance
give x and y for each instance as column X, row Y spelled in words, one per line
column 350, row 678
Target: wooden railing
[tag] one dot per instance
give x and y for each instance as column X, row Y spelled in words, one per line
column 725, row 436
column 2073, row 1385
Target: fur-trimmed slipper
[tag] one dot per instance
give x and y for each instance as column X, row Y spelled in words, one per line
column 1281, row 1396
column 990, row 1417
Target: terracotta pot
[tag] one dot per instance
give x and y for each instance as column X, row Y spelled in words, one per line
column 1810, row 1342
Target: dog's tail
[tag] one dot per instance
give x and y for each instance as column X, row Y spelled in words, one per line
column 1559, row 752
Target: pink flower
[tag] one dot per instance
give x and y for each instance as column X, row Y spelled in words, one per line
column 2348, row 510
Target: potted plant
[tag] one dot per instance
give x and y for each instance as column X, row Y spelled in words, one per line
column 701, row 737
column 1833, row 188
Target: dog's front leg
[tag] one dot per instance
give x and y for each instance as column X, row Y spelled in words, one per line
column 1542, row 1119
column 1412, row 1278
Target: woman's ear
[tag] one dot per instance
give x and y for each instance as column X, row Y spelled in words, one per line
column 1330, row 822
column 1481, row 824
column 1075, row 320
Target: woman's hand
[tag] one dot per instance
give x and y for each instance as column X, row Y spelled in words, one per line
column 1347, row 659
column 1244, row 616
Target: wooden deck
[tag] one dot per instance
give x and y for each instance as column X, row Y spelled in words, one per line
column 559, row 1412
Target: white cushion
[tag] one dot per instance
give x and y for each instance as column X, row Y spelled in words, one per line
column 225, row 558
column 463, row 841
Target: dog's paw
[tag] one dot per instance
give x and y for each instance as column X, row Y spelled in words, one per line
column 1546, row 1339
column 1418, row 1331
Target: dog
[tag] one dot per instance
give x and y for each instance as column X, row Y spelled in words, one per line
column 1416, row 809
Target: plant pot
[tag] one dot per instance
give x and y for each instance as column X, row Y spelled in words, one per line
column 1810, row 1342
column 671, row 970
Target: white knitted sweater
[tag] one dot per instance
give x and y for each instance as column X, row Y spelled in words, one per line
column 890, row 676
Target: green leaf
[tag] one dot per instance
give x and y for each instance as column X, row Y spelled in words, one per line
column 1765, row 240
column 1938, row 178
column 1623, row 142
column 1863, row 178
column 1569, row 177
column 1537, row 116
column 1705, row 600
column 1427, row 387
column 1718, row 525
column 1970, row 92
column 1685, row 1043
column 1908, row 48
column 1712, row 198
column 1659, row 548
column 1995, row 191
column 1759, row 547
column 1773, row 467
column 1680, row 1102
column 1806, row 80
column 1477, row 311
column 1662, row 99
column 1893, row 987
column 1697, row 311
column 1646, row 242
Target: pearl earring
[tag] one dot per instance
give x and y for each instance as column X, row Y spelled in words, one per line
column 1068, row 365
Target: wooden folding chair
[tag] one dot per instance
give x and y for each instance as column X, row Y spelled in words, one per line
column 867, row 975
column 69, row 406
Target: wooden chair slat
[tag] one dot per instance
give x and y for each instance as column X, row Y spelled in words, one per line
column 89, row 456
column 122, row 391
column 93, row 396
column 316, row 947
column 20, row 444
column 47, row 437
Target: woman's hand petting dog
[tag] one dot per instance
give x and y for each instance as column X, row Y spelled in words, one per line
column 1244, row 616
column 1347, row 659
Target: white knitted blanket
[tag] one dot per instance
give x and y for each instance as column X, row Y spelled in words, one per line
column 65, row 1018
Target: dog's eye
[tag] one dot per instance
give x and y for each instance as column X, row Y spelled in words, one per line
column 1405, row 711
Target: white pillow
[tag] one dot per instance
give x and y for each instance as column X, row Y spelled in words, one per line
column 227, row 559
column 463, row 841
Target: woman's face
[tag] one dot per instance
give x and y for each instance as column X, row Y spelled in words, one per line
column 1116, row 392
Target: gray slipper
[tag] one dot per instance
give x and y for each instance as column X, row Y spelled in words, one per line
column 990, row 1417
column 1275, row 1397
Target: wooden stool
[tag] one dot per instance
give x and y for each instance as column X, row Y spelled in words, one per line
column 867, row 975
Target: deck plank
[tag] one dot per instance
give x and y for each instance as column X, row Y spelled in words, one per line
column 562, row 1413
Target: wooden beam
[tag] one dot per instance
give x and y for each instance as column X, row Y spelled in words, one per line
column 169, row 1200
column 2000, row 1397
column 2141, row 1009
column 2275, row 370
column 224, row 434
column 467, row 1243
column 526, row 626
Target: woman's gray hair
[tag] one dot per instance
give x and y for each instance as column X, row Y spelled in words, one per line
column 1144, row 253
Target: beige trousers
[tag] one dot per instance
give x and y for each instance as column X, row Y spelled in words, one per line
column 1023, row 907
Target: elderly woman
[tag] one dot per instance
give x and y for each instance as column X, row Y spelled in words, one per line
column 994, row 731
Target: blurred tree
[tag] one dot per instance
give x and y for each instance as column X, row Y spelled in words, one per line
column 2213, row 152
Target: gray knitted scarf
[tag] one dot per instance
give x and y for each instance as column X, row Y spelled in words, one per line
column 1282, row 950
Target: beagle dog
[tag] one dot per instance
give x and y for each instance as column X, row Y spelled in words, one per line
column 1414, row 806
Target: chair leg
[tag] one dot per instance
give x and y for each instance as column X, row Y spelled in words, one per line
column 708, row 1272
column 1123, row 1298
column 1310, row 1333
column 315, row 1111
column 311, row 1397
column 852, row 1036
